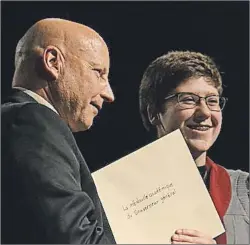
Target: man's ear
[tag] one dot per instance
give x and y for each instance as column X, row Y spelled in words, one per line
column 53, row 62
column 153, row 116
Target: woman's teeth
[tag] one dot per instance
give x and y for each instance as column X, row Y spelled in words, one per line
column 200, row 128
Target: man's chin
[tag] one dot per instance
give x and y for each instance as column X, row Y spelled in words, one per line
column 81, row 126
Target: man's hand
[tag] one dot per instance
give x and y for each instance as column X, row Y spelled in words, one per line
column 187, row 236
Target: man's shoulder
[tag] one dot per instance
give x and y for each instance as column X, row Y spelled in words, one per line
column 31, row 114
column 11, row 107
column 27, row 110
column 18, row 103
column 27, row 126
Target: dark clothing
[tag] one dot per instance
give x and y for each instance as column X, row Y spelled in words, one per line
column 48, row 194
column 204, row 172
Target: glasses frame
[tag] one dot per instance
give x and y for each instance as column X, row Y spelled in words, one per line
column 224, row 100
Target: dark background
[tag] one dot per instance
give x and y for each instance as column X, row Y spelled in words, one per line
column 136, row 33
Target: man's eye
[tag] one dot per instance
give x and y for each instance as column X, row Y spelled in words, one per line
column 99, row 71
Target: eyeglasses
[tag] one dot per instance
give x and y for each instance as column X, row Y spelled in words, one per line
column 189, row 100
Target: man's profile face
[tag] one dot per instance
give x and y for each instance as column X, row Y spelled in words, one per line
column 84, row 84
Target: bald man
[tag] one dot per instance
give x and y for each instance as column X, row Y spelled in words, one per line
column 59, row 85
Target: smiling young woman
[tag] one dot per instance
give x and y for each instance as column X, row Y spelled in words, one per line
column 183, row 90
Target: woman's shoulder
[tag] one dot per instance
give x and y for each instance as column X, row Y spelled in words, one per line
column 239, row 181
column 238, row 174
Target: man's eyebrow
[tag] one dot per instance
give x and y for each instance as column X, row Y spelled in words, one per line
column 95, row 64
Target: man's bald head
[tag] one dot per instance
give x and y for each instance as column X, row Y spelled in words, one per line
column 63, row 34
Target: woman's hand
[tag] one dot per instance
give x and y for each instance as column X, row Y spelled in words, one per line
column 188, row 236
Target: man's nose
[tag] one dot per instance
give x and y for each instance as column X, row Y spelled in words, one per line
column 108, row 94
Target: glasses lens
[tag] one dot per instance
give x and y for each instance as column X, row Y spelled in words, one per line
column 187, row 100
column 215, row 103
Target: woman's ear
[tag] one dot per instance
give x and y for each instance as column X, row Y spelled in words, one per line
column 153, row 116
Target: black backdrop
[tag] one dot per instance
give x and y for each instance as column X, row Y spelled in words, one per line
column 136, row 33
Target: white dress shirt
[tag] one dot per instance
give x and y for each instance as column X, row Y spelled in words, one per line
column 38, row 98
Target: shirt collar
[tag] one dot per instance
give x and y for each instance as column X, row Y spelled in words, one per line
column 37, row 98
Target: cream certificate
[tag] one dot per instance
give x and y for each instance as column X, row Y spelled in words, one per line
column 155, row 190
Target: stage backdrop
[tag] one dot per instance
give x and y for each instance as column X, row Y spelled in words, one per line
column 137, row 33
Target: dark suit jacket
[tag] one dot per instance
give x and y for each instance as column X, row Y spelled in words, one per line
column 48, row 194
